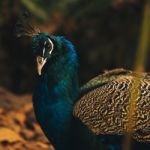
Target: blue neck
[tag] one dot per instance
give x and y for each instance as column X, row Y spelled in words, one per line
column 54, row 97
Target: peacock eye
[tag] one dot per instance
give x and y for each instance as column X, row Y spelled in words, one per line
column 48, row 47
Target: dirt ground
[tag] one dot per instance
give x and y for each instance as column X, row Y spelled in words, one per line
column 18, row 127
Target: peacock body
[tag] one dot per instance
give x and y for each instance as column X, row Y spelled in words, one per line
column 95, row 116
column 99, row 108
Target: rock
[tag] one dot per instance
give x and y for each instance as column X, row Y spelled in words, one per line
column 18, row 127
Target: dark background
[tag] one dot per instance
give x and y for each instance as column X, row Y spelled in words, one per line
column 105, row 33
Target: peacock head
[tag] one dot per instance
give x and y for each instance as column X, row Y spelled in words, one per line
column 48, row 47
column 45, row 46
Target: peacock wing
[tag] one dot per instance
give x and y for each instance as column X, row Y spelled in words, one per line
column 106, row 109
column 102, row 79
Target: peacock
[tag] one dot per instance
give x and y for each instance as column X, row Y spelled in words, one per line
column 95, row 116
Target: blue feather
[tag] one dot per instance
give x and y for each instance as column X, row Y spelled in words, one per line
column 54, row 97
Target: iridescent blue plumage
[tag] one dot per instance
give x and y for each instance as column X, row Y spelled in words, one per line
column 56, row 90
column 55, row 94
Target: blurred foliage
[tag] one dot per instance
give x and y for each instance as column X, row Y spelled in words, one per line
column 140, row 61
column 104, row 32
column 143, row 48
column 35, row 8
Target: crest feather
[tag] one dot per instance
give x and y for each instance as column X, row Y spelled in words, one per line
column 24, row 28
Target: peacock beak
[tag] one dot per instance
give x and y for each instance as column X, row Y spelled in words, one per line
column 40, row 63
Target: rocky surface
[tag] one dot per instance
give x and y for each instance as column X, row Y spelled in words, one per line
column 18, row 127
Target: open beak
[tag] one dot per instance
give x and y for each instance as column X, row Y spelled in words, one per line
column 40, row 63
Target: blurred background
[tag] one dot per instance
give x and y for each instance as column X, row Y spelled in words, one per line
column 106, row 34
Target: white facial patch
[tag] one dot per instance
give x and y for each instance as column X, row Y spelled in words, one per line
column 43, row 51
column 51, row 45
